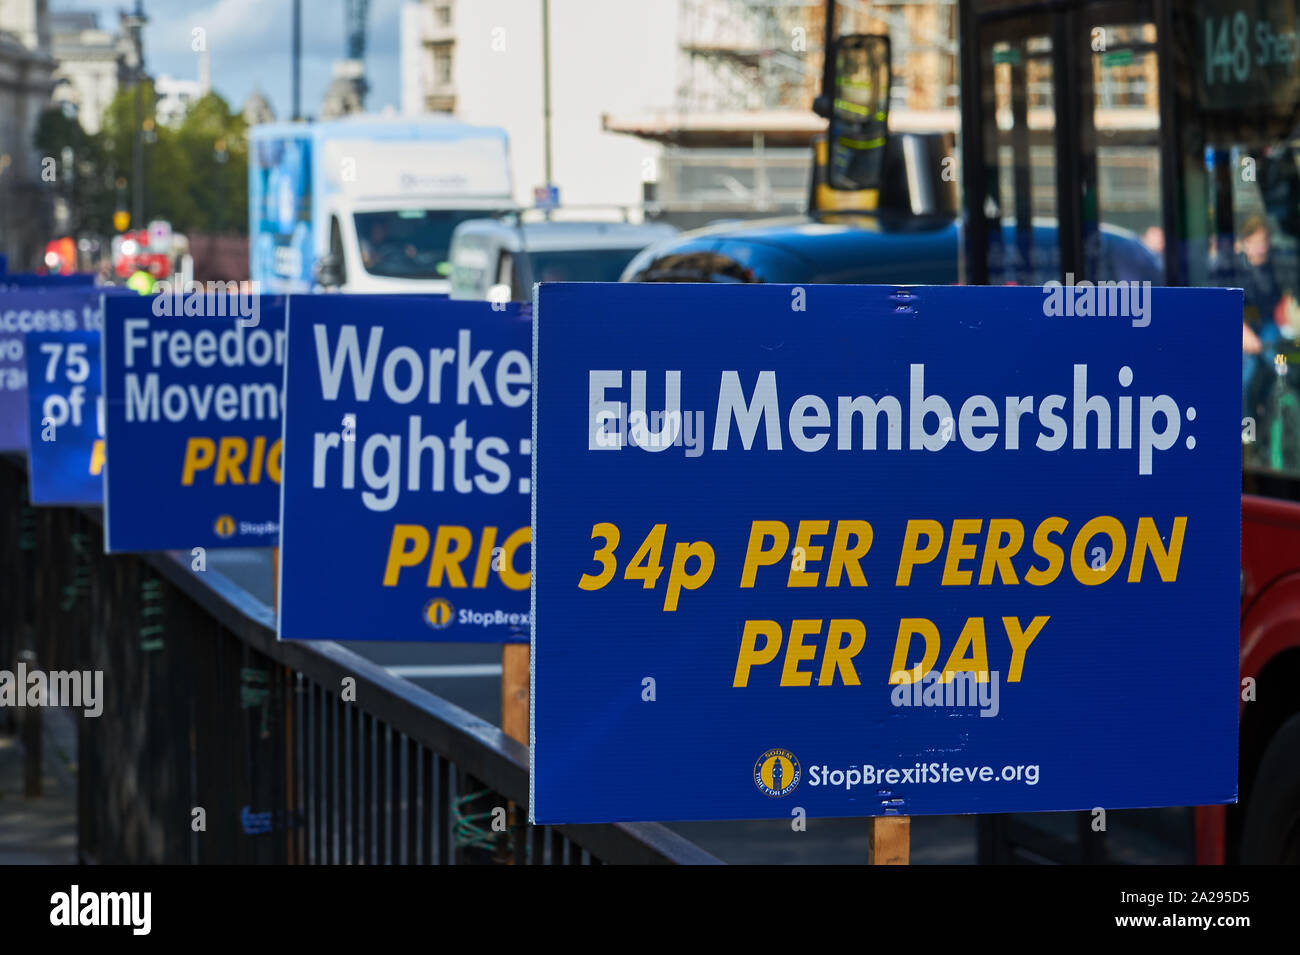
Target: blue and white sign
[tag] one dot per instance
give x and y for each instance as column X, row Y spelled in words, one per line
column 30, row 281
column 66, row 455
column 34, row 311
column 192, row 418
column 546, row 197
column 863, row 550
column 407, row 470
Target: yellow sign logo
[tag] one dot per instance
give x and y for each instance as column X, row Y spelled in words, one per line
column 777, row 772
column 225, row 526
column 438, row 613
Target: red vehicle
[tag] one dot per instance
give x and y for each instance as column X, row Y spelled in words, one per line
column 152, row 250
column 1095, row 133
column 61, row 256
column 1200, row 103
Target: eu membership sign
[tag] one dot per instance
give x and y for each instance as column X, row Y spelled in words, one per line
column 407, row 469
column 65, row 458
column 192, row 386
column 862, row 550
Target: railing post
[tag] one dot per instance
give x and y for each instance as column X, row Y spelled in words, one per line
column 31, row 738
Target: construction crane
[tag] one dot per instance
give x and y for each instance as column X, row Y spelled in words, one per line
column 347, row 91
column 355, row 13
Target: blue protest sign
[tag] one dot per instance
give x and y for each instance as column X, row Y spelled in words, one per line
column 24, row 281
column 65, row 458
column 21, row 313
column 406, row 470
column 864, row 551
column 192, row 420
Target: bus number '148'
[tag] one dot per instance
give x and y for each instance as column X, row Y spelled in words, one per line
column 1227, row 48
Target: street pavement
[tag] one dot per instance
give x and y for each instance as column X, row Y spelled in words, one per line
column 41, row 830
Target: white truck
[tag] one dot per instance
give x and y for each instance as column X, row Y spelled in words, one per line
column 499, row 259
column 368, row 203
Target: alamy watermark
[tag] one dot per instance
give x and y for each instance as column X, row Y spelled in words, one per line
column 1121, row 299
column 79, row 689
column 961, row 689
column 651, row 430
column 179, row 298
column 131, row 910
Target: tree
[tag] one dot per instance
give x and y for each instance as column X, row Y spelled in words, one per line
column 214, row 141
column 166, row 179
column 82, row 175
column 196, row 175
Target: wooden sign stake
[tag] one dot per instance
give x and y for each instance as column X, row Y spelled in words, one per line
column 514, row 691
column 514, row 704
column 890, row 840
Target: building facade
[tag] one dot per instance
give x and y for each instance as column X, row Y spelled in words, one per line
column 482, row 60
column 257, row 109
column 706, row 105
column 428, row 49
column 175, row 97
column 26, row 85
column 92, row 65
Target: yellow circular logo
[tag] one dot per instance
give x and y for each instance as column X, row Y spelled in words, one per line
column 438, row 613
column 225, row 526
column 777, row 772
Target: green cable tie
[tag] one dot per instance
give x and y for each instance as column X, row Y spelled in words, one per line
column 466, row 832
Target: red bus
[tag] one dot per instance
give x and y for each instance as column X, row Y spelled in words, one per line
column 1180, row 121
column 1098, row 140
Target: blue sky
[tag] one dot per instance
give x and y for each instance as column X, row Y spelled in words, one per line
column 250, row 44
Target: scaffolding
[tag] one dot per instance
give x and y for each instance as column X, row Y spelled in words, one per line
column 738, row 140
column 756, row 55
column 748, row 55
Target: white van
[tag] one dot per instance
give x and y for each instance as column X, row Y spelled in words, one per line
column 368, row 203
column 488, row 260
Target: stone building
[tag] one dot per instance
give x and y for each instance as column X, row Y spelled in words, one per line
column 257, row 109
column 92, row 65
column 26, row 85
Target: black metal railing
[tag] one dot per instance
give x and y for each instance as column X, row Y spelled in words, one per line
column 219, row 744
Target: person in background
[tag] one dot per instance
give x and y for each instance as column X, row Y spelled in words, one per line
column 1261, row 296
column 142, row 281
column 1154, row 239
column 372, row 247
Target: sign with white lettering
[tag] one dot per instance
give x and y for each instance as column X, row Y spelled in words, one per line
column 407, row 469
column 192, row 387
column 870, row 550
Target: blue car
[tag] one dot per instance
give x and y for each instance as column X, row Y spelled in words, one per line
column 873, row 250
